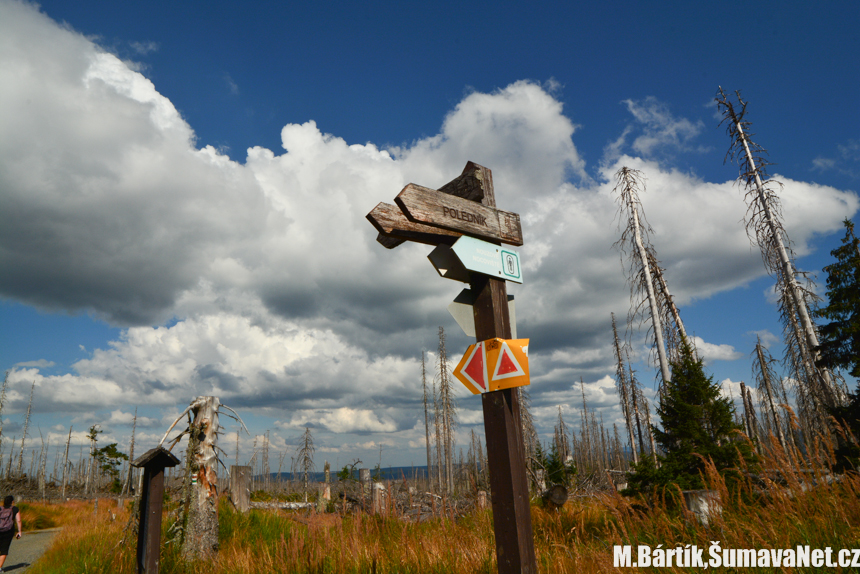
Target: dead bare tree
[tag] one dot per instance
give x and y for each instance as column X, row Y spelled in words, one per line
column 560, row 440
column 305, row 458
column 126, row 487
column 437, row 424
column 629, row 183
column 764, row 228
column 624, row 391
column 2, row 404
column 766, row 379
column 66, row 463
column 197, row 526
column 24, row 435
column 266, row 473
column 426, row 420
column 449, row 412
column 43, row 459
column 670, row 317
column 529, row 433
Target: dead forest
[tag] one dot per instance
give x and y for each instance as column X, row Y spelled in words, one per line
column 785, row 404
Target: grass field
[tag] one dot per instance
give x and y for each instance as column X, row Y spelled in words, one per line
column 578, row 538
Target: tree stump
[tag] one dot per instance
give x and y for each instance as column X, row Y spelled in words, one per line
column 555, row 496
column 378, row 499
column 704, row 504
column 482, row 499
column 200, row 539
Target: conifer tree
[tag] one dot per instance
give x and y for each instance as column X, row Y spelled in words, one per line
column 840, row 338
column 695, row 420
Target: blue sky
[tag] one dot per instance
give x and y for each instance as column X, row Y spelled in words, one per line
column 150, row 257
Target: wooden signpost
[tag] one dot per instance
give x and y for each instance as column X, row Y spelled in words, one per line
column 467, row 206
column 153, row 462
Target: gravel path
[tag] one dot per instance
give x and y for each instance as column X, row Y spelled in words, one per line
column 27, row 550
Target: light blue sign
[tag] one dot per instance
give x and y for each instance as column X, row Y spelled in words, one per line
column 487, row 258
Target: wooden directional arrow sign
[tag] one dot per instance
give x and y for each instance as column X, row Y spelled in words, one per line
column 494, row 364
column 438, row 209
column 390, row 222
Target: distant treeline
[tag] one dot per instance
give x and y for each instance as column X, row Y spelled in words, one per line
column 389, row 473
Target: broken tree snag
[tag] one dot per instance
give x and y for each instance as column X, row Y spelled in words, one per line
column 200, row 539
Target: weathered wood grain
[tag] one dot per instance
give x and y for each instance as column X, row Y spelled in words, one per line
column 395, row 228
column 474, row 184
column 389, row 242
column 469, row 185
column 438, row 209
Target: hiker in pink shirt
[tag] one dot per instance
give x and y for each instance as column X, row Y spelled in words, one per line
column 9, row 515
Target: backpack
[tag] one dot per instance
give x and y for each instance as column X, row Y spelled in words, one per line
column 6, row 519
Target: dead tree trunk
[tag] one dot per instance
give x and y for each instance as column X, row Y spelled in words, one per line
column 426, row 421
column 449, row 413
column 199, row 539
column 201, row 535
column 624, row 394
column 629, row 182
column 24, row 435
column 765, row 382
column 2, row 404
column 437, row 423
column 43, row 459
column 66, row 463
column 198, row 524
column 765, row 228
column 127, row 486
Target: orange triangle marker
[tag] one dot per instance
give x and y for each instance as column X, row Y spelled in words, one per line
column 472, row 369
column 506, row 364
column 476, row 370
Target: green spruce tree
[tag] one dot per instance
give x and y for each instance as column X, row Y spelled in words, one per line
column 840, row 337
column 697, row 423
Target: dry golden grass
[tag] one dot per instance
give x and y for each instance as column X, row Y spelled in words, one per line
column 578, row 538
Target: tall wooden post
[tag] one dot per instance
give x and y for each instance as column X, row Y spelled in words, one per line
column 153, row 463
column 512, row 520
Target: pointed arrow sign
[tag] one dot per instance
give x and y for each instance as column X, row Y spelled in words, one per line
column 463, row 312
column 438, row 209
column 473, row 255
column 472, row 369
column 390, row 222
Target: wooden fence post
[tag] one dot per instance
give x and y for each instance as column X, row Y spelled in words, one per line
column 153, row 463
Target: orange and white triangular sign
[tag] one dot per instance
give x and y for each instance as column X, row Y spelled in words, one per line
column 494, row 364
column 509, row 361
column 472, row 369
